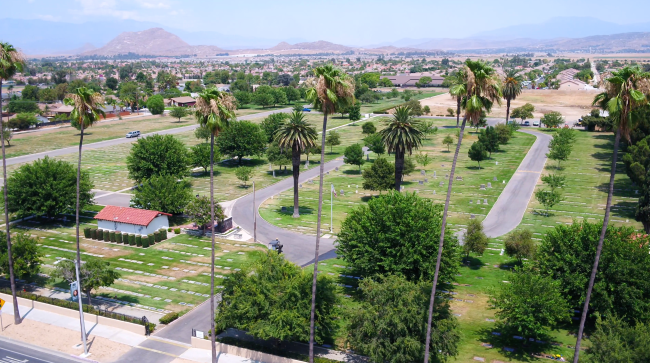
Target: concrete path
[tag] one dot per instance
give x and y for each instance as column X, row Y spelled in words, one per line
column 509, row 209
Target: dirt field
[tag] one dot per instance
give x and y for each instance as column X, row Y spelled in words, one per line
column 571, row 104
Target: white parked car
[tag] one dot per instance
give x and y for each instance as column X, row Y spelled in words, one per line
column 131, row 134
column 535, row 123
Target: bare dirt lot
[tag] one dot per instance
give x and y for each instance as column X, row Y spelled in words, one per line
column 571, row 104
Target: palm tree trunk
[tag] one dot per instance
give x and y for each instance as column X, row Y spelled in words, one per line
column 81, row 142
column 599, row 249
column 457, row 110
column 399, row 167
column 295, row 160
column 212, row 307
column 442, row 241
column 507, row 110
column 320, row 212
column 12, row 278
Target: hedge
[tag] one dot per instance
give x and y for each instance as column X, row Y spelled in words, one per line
column 125, row 238
column 112, row 236
column 131, row 239
column 138, row 240
column 163, row 234
column 107, row 236
column 118, row 237
column 93, row 233
column 87, row 232
column 156, row 236
column 145, row 241
column 152, row 240
column 168, row 318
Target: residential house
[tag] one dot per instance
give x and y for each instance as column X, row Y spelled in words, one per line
column 131, row 220
column 184, row 101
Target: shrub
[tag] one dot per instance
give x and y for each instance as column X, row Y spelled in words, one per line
column 118, row 237
column 152, row 240
column 87, row 232
column 112, row 236
column 177, row 230
column 169, row 229
column 131, row 239
column 107, row 236
column 168, row 318
column 93, row 233
column 163, row 234
column 156, row 236
column 145, row 241
column 138, row 240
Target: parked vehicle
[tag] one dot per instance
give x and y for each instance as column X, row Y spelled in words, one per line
column 306, row 109
column 526, row 123
column 131, row 134
column 535, row 123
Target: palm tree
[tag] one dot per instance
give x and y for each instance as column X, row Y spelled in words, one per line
column 512, row 86
column 457, row 90
column 329, row 91
column 214, row 110
column 299, row 136
column 626, row 90
column 86, row 110
column 483, row 89
column 400, row 136
column 11, row 61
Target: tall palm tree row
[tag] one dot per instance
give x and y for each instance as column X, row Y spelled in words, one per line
column 401, row 136
column 512, row 86
column 625, row 91
column 11, row 61
column 297, row 135
column 86, row 110
column 483, row 89
column 329, row 91
column 214, row 111
column 457, row 90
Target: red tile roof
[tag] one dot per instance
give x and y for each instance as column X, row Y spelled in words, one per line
column 140, row 217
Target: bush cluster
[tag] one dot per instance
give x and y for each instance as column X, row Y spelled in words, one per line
column 168, row 318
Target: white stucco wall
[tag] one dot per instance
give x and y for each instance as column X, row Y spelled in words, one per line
column 156, row 224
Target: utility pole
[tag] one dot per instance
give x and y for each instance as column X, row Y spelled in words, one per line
column 81, row 310
column 254, row 217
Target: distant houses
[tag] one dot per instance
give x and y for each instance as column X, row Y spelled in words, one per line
column 409, row 80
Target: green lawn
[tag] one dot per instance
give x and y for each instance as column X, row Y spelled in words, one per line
column 370, row 107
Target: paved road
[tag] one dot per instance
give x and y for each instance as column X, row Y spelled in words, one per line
column 509, row 209
column 20, row 352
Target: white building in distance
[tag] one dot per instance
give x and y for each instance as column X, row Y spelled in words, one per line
column 131, row 220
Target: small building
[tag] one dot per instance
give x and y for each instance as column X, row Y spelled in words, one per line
column 407, row 80
column 184, row 101
column 131, row 220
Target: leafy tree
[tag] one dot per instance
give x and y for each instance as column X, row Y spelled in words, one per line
column 552, row 119
column 30, row 93
column 409, row 167
column 354, row 113
column 566, row 254
column 548, row 198
column 179, row 113
column 47, row 187
column 202, row 133
column 333, row 139
column 448, row 140
column 111, row 83
column 375, row 144
column 615, row 341
column 401, row 135
column 277, row 155
column 242, row 138
column 504, row 132
column 244, row 173
column 426, row 110
column 156, row 105
column 198, row 211
column 530, row 305
column 157, row 155
column 23, row 121
column 519, row 244
column 524, row 112
column 292, row 94
column 490, row 139
column 392, row 301
column 380, row 176
column 415, row 108
column 475, row 239
column 7, row 134
column 16, row 106
column 396, row 233
column 477, row 152
column 243, row 97
column 285, row 290
column 368, row 128
column 47, row 95
column 273, row 123
column 512, row 88
column 264, row 99
column 423, row 81
column 26, row 256
column 200, row 156
column 561, row 145
column 354, row 155
column 451, row 112
column 93, row 274
column 164, row 193
column 423, row 159
column 426, row 128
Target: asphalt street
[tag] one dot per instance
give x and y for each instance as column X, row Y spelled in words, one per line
column 19, row 352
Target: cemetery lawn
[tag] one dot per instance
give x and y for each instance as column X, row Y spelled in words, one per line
column 464, row 199
column 392, row 102
column 587, row 175
column 172, row 275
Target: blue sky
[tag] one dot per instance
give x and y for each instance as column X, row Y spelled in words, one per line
column 342, row 21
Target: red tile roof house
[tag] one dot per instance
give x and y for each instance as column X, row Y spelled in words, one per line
column 131, row 220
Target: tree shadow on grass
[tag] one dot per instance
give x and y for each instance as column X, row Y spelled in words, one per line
column 242, row 186
column 522, row 350
column 233, row 163
column 352, row 172
column 472, row 262
column 289, row 210
column 367, row 198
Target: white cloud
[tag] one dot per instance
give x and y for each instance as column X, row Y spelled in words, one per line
column 154, row 5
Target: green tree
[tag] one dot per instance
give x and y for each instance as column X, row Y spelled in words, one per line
column 264, row 99
column 111, row 83
column 458, row 89
column 561, row 145
column 272, row 123
column 477, row 152
column 423, row 81
column 292, row 94
column 380, row 176
column 7, row 134
column 47, row 187
column 240, row 139
column 409, row 167
column 277, row 155
column 615, row 341
column 490, row 139
column 524, row 112
column 451, row 112
column 214, row 111
column 426, row 110
column 354, row 155
column 401, row 136
column 16, row 106
column 393, row 301
column 179, row 113
column 552, row 119
column 519, row 244
column 368, row 128
column 285, row 290
column 375, row 144
column 243, row 97
column 354, row 113
column 26, row 256
column 199, row 210
column 504, row 132
column 426, row 128
column 333, row 139
column 46, row 95
column 156, row 105
column 530, row 305
column 131, row 94
column 200, row 156
column 475, row 239
column 93, row 274
column 158, row 155
column 423, row 159
column 448, row 140
column 395, row 233
column 202, row 133
column 297, row 135
column 23, row 121
column 244, row 173
column 548, row 197
column 163, row 193
column 30, row 93
column 512, row 88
